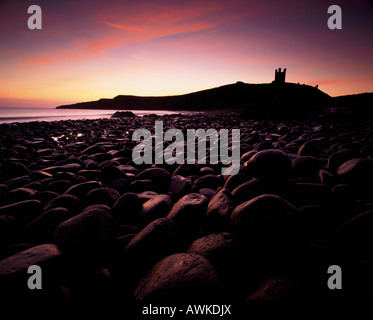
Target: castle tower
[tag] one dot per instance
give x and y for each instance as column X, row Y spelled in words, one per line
column 280, row 76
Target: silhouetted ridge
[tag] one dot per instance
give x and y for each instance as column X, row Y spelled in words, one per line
column 238, row 95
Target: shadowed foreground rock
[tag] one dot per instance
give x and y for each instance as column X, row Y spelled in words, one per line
column 180, row 277
column 100, row 226
column 14, row 276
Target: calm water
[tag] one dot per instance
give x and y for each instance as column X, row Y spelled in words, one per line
column 8, row 115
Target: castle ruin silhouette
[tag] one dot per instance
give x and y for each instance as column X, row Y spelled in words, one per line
column 279, row 76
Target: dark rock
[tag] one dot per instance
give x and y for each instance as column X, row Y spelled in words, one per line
column 317, row 222
column 39, row 175
column 223, row 251
column 256, row 187
column 337, row 158
column 67, row 201
column 157, row 207
column 37, row 186
column 306, row 166
column 14, row 276
column 157, row 240
column 186, row 170
column 235, row 181
column 182, row 276
column 90, row 175
column 367, row 150
column 11, row 169
column 160, row 177
column 70, row 167
column 207, row 192
column 4, row 189
column 267, row 221
column 126, row 208
column 8, row 229
column 123, row 114
column 81, row 189
column 210, row 181
column 278, row 288
column 247, row 156
column 139, row 186
column 219, row 210
column 147, row 195
column 65, row 175
column 24, row 211
column 302, row 194
column 102, row 195
column 128, row 229
column 98, row 206
column 269, row 164
column 326, row 177
column 310, row 148
column 41, row 229
column 356, row 171
column 110, row 173
column 189, row 210
column 18, row 182
column 19, row 194
column 93, row 149
column 207, row 170
column 85, row 236
column 89, row 164
column 353, row 237
column 263, row 145
column 121, row 185
column 179, row 186
column 59, row 186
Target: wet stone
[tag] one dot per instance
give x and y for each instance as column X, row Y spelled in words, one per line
column 189, row 210
column 68, row 201
column 211, row 181
column 41, row 229
column 157, row 240
column 267, row 221
column 157, row 207
column 219, row 210
column 103, row 195
column 85, row 236
column 182, row 276
column 269, row 164
column 126, row 209
column 179, row 186
column 356, row 171
column 23, row 211
column 160, row 178
column 81, row 189
column 14, row 276
column 19, row 194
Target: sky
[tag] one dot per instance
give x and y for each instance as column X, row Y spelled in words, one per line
column 92, row 49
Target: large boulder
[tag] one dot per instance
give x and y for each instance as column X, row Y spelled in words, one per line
column 14, row 274
column 190, row 210
column 219, row 210
column 183, row 276
column 85, row 235
column 270, row 164
column 267, row 221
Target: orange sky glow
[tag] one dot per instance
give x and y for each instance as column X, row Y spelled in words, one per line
column 89, row 50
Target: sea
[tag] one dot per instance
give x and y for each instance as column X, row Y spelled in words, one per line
column 14, row 114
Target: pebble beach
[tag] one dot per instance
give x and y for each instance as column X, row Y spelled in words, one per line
column 73, row 202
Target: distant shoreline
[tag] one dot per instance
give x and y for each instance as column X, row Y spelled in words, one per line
column 284, row 99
